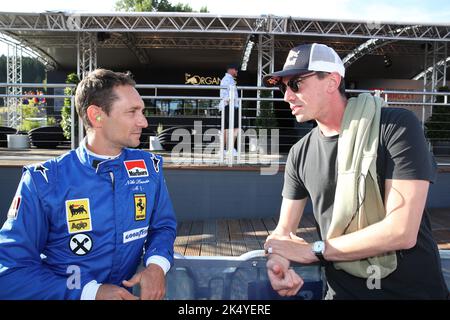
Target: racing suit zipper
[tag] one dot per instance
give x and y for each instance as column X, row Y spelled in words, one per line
column 111, row 174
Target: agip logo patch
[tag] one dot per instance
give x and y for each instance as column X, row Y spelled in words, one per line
column 78, row 215
column 140, row 206
column 136, row 168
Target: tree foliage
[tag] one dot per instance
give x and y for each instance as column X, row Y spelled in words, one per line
column 154, row 5
column 33, row 71
column 134, row 5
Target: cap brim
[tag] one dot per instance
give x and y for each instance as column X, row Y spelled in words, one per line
column 274, row 79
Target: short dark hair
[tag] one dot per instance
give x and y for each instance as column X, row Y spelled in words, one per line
column 233, row 66
column 97, row 89
column 321, row 75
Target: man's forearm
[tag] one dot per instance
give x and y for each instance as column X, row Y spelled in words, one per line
column 290, row 214
column 404, row 202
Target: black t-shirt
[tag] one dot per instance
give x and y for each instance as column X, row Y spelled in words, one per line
column 311, row 171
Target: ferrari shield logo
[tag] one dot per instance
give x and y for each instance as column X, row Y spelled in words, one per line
column 78, row 215
column 140, row 206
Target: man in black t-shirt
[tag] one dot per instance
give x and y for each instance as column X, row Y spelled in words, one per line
column 312, row 81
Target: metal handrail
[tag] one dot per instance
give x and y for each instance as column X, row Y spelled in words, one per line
column 412, row 99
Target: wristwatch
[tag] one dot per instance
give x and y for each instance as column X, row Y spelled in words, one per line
column 318, row 248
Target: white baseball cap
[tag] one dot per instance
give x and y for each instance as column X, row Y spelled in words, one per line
column 307, row 58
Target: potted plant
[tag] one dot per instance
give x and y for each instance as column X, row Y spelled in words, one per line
column 438, row 125
column 30, row 121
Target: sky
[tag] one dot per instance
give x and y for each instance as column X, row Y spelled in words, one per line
column 432, row 11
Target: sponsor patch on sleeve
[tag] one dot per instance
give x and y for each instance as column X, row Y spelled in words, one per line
column 136, row 168
column 78, row 215
column 14, row 208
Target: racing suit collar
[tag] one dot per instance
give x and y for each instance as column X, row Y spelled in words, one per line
column 91, row 159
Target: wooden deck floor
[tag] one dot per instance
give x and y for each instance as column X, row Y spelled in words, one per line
column 233, row 237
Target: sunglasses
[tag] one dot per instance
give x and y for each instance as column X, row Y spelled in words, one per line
column 293, row 83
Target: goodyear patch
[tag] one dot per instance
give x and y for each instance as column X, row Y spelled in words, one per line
column 140, row 206
column 136, row 168
column 135, row 234
column 78, row 215
column 14, row 208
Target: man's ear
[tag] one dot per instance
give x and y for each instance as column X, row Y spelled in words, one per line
column 334, row 81
column 94, row 114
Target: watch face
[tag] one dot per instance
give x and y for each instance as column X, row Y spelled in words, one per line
column 319, row 246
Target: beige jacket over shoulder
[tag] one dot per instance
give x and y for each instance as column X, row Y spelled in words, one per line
column 358, row 201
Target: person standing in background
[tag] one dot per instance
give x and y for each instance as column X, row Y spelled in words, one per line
column 228, row 80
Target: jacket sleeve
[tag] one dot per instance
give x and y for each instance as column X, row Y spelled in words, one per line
column 163, row 225
column 23, row 238
column 225, row 93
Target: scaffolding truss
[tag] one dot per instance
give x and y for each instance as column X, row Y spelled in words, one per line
column 87, row 53
column 209, row 23
column 29, row 49
column 435, row 61
column 139, row 31
column 14, row 75
column 129, row 39
column 266, row 62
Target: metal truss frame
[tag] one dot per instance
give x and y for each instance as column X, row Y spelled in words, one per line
column 29, row 49
column 208, row 23
column 130, row 41
column 14, row 75
column 165, row 40
column 436, row 57
column 172, row 27
column 87, row 53
column 372, row 45
column 266, row 62
column 429, row 70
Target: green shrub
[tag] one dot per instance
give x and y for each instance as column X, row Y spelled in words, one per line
column 51, row 121
column 66, row 119
column 29, row 111
column 266, row 118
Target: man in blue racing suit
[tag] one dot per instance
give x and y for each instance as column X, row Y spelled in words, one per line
column 79, row 224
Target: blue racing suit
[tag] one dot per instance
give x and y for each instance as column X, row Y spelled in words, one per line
column 78, row 219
